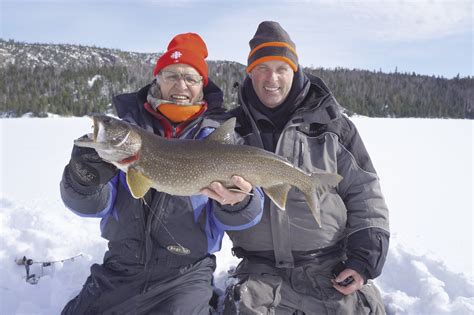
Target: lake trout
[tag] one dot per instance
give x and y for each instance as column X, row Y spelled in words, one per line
column 183, row 167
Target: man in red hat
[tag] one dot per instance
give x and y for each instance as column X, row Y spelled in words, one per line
column 159, row 258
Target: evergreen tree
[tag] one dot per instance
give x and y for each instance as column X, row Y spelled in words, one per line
column 60, row 84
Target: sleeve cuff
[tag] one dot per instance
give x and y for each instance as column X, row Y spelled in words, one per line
column 234, row 208
column 358, row 266
column 240, row 216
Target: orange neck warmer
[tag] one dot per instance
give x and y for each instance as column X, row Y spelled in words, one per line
column 179, row 113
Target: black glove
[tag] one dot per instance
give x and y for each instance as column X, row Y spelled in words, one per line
column 88, row 168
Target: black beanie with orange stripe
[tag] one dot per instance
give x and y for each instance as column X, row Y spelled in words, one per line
column 271, row 42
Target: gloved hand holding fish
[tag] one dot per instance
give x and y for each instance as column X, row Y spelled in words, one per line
column 184, row 167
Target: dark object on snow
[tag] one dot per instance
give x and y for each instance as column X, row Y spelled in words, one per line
column 31, row 279
column 27, row 262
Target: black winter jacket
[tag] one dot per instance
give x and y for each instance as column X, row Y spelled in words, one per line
column 158, row 230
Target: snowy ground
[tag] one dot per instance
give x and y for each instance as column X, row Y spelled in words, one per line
column 426, row 172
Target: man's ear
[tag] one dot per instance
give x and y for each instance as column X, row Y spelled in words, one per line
column 155, row 89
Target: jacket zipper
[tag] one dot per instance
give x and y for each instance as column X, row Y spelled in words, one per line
column 379, row 238
column 250, row 117
column 301, row 155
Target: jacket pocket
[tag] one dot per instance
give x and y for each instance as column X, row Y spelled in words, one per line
column 257, row 294
column 315, row 280
column 316, row 153
column 370, row 300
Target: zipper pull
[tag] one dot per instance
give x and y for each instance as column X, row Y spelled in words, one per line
column 300, row 159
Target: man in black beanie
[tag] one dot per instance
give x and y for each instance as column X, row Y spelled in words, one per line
column 291, row 265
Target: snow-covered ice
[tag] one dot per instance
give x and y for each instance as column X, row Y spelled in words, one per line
column 426, row 173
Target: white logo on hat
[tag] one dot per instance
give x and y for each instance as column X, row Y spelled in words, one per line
column 176, row 55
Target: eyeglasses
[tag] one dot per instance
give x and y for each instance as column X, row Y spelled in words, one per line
column 173, row 77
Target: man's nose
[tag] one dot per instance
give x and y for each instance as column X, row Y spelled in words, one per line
column 272, row 75
column 181, row 83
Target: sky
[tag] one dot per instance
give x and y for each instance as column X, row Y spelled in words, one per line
column 431, row 37
column 429, row 267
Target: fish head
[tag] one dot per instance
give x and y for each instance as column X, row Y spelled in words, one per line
column 116, row 141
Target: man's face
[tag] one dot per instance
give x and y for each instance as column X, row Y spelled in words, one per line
column 181, row 84
column 272, row 82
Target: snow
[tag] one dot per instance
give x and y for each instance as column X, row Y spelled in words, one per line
column 425, row 167
column 91, row 82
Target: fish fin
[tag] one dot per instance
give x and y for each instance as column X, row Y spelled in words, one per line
column 278, row 194
column 312, row 199
column 326, row 179
column 224, row 133
column 322, row 181
column 138, row 183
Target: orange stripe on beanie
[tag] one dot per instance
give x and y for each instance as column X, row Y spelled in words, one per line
column 271, row 42
column 188, row 48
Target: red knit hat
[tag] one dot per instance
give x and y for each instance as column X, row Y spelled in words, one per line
column 188, row 48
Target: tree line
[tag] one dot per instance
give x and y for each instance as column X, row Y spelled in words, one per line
column 77, row 90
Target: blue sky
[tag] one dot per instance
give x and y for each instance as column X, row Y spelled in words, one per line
column 422, row 36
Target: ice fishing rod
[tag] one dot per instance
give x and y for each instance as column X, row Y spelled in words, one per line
column 27, row 262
